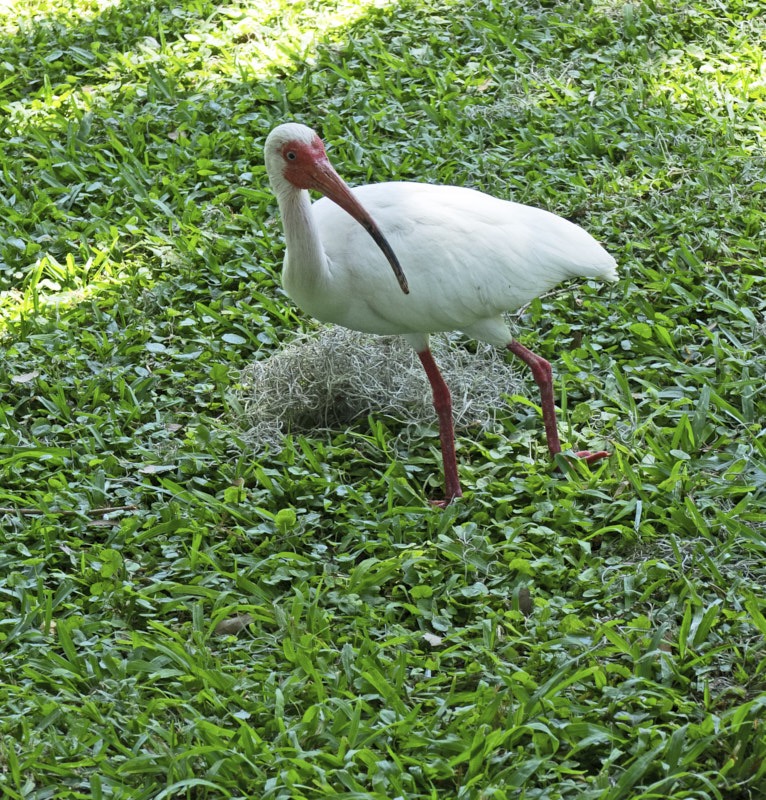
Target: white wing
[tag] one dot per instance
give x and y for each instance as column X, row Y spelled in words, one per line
column 468, row 257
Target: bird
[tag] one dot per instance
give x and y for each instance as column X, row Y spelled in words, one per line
column 417, row 258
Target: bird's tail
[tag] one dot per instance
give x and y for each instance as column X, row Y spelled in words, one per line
column 607, row 270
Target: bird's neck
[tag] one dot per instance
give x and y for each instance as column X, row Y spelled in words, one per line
column 306, row 262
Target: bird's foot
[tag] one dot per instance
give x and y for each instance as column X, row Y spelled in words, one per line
column 563, row 460
column 447, row 500
column 590, row 458
column 439, row 503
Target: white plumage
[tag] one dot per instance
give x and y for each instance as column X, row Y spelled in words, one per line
column 416, row 258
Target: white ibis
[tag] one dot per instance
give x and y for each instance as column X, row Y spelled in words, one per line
column 460, row 260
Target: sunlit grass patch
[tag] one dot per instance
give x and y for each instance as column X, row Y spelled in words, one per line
column 15, row 13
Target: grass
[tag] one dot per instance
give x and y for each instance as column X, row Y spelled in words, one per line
column 182, row 620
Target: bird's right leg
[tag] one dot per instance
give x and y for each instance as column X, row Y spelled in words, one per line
column 543, row 375
column 443, row 406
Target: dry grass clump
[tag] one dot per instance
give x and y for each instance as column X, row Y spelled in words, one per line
column 330, row 378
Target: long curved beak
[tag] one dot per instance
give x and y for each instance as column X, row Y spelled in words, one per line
column 327, row 181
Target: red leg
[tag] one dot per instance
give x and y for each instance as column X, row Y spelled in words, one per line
column 543, row 375
column 443, row 406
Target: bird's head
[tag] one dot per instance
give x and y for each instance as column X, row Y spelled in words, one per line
column 295, row 154
column 296, row 160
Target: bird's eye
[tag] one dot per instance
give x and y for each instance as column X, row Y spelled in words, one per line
column 290, row 154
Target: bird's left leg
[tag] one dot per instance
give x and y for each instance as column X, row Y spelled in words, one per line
column 543, row 375
column 443, row 406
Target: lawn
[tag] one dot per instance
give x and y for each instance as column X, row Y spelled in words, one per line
column 187, row 613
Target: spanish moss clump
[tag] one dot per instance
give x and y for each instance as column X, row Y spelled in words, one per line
column 329, row 379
